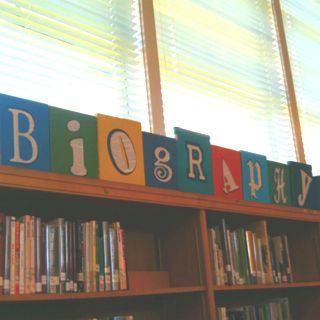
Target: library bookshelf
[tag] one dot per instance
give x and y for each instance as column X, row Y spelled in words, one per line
column 167, row 249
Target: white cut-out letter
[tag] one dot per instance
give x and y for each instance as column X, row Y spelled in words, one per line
column 195, row 162
column 254, row 186
column 229, row 185
column 278, row 178
column 305, row 184
column 122, row 152
column 77, row 145
column 162, row 171
column 17, row 134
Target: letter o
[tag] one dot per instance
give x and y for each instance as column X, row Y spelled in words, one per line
column 122, row 152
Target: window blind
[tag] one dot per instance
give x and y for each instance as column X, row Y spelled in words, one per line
column 221, row 74
column 83, row 55
column 302, row 26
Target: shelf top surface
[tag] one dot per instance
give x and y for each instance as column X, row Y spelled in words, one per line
column 101, row 295
column 51, row 182
column 253, row 287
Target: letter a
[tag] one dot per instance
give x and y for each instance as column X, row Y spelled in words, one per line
column 229, row 184
column 17, row 134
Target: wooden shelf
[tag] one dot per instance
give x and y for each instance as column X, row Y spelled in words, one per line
column 267, row 286
column 167, row 247
column 51, row 182
column 101, row 295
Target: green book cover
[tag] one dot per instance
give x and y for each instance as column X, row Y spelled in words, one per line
column 73, row 138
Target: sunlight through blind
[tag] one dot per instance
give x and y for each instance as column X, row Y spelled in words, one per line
column 302, row 26
column 221, row 74
column 83, row 55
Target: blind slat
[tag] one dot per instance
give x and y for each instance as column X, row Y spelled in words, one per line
column 81, row 55
column 221, row 74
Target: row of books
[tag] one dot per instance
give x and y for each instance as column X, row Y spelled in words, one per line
column 249, row 255
column 272, row 310
column 60, row 256
column 114, row 318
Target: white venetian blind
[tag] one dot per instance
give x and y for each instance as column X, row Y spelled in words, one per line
column 84, row 55
column 221, row 74
column 302, row 26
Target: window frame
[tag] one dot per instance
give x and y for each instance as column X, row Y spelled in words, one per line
column 152, row 69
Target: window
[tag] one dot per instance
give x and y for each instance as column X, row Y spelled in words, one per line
column 219, row 62
column 84, row 55
column 221, row 74
column 302, row 26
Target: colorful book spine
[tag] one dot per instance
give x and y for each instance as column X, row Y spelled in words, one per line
column 2, row 247
column 32, row 256
column 80, row 256
column 6, row 273
column 12, row 255
column 22, row 258
column 17, row 258
column 114, row 260
column 38, row 260
column 106, row 255
column 43, row 259
column 122, row 260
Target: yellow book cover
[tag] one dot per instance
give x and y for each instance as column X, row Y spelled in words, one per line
column 120, row 150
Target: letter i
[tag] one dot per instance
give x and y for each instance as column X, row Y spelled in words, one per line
column 78, row 167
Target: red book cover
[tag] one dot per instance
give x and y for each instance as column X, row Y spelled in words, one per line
column 227, row 174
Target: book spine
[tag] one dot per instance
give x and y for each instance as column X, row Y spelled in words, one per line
column 17, row 258
column 2, row 249
column 67, row 256
column 70, row 254
column 53, row 258
column 74, row 257
column 221, row 259
column 80, row 255
column 235, row 240
column 287, row 258
column 273, row 264
column 7, row 242
column 226, row 252
column 48, row 258
column 38, row 261
column 32, row 256
column 26, row 220
column 61, row 255
column 244, row 255
column 216, row 271
column 122, row 260
column 231, row 253
column 114, row 261
column 250, row 251
column 93, row 248
column 100, row 258
column 12, row 255
column 87, row 284
column 43, row 258
column 22, row 258
column 106, row 255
